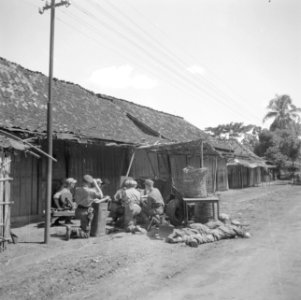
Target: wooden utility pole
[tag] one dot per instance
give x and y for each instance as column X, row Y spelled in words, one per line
column 52, row 7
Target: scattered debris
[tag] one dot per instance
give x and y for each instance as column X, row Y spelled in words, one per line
column 198, row 233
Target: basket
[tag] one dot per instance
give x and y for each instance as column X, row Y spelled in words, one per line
column 194, row 182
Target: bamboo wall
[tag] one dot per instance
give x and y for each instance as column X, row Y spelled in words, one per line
column 241, row 177
column 5, row 199
column 25, row 186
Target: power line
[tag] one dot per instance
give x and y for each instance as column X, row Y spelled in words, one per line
column 166, row 37
column 156, row 59
column 177, row 76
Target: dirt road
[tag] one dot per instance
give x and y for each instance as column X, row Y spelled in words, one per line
column 125, row 266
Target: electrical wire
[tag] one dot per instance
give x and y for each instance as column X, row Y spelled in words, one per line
column 156, row 59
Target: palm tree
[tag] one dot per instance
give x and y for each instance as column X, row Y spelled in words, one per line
column 283, row 111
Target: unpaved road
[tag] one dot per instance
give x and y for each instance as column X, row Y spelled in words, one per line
column 125, row 266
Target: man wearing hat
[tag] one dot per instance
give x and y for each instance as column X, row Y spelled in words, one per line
column 131, row 200
column 153, row 206
column 63, row 199
column 84, row 197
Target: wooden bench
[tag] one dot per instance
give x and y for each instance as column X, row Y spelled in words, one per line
column 61, row 213
column 214, row 199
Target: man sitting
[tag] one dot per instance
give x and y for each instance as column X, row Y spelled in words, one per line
column 63, row 199
column 117, row 206
column 153, row 205
column 131, row 201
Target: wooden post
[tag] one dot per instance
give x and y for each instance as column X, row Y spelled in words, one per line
column 7, row 213
column 242, row 181
column 202, row 154
column 1, row 200
column 131, row 162
column 215, row 175
column 4, row 200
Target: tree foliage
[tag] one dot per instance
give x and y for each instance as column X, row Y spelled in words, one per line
column 281, row 146
column 283, row 112
column 231, row 130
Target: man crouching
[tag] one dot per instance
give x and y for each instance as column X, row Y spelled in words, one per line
column 153, row 205
column 85, row 196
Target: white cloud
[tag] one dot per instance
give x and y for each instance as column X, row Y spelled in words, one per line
column 197, row 70
column 119, row 77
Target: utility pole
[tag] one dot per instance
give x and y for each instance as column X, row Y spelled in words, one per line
column 52, row 7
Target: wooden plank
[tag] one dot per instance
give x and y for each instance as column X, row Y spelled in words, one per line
column 6, row 179
column 7, row 214
column 34, row 188
column 199, row 199
column 1, row 195
column 64, row 213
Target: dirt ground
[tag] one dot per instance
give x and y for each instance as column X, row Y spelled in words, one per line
column 127, row 266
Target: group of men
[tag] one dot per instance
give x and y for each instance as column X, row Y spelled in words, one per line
column 128, row 204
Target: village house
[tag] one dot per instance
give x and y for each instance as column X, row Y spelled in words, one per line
column 94, row 134
column 245, row 168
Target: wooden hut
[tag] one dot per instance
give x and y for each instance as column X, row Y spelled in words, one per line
column 166, row 161
column 245, row 167
column 92, row 133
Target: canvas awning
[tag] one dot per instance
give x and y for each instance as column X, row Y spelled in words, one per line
column 247, row 163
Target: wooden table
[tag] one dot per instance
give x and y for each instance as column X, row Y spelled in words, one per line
column 214, row 199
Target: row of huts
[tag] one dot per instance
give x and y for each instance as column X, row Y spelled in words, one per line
column 105, row 137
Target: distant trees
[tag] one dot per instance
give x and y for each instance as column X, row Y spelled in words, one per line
column 247, row 134
column 284, row 113
column 231, row 130
column 281, row 146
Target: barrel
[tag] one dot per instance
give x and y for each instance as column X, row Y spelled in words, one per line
column 98, row 226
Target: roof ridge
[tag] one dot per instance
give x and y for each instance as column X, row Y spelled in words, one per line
column 111, row 98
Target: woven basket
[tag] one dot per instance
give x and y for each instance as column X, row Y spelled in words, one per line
column 194, row 182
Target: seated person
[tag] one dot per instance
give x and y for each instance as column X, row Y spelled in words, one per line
column 116, row 206
column 131, row 201
column 153, row 203
column 63, row 199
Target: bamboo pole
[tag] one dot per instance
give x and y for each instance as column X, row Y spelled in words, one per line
column 131, row 162
column 28, row 144
column 202, row 154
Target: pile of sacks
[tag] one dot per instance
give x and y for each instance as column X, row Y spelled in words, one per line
column 198, row 233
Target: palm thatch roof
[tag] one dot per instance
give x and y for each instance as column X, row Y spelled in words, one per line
column 82, row 115
column 23, row 105
column 244, row 156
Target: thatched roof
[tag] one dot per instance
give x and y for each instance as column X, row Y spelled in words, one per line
column 169, row 126
column 81, row 114
column 23, row 105
column 244, row 156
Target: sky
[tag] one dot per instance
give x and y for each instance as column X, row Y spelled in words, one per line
column 210, row 61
